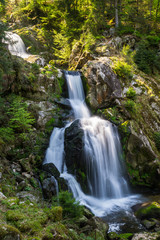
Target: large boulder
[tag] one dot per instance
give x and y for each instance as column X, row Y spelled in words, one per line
column 51, row 168
column 8, row 232
column 104, row 85
column 141, row 161
column 73, row 146
column 49, row 187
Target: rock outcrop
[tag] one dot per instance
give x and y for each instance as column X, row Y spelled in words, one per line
column 104, row 86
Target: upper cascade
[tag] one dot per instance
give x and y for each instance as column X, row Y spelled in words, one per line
column 76, row 95
column 16, row 45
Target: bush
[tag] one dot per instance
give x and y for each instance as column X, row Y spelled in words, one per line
column 122, row 69
column 130, row 105
column 21, row 120
column 7, row 134
column 71, row 208
column 131, row 93
column 146, row 58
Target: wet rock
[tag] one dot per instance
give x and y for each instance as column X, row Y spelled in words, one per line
column 146, row 236
column 87, row 213
column 51, row 168
column 148, row 224
column 62, row 184
column 27, row 175
column 148, row 211
column 64, row 103
column 23, row 195
column 94, row 227
column 49, row 187
column 113, row 236
column 104, row 85
column 73, row 146
column 2, row 196
column 140, row 158
column 8, row 232
column 82, row 222
column 22, row 185
column 97, row 223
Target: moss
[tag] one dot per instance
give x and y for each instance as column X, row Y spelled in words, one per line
column 113, row 236
column 151, row 210
column 124, row 236
column 97, row 235
column 11, row 202
column 13, row 215
column 56, row 213
column 9, row 232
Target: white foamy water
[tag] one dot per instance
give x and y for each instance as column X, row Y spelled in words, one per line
column 108, row 188
column 16, row 45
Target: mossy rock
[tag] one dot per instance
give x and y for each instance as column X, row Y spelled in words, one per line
column 55, row 213
column 113, row 236
column 148, row 210
column 125, row 236
column 11, row 202
column 8, row 232
column 97, row 235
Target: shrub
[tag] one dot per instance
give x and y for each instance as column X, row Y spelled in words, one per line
column 130, row 105
column 7, row 134
column 21, row 120
column 146, row 58
column 122, row 69
column 131, row 93
column 71, row 208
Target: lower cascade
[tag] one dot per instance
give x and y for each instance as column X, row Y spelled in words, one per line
column 99, row 156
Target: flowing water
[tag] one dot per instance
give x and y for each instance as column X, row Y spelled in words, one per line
column 16, row 45
column 109, row 196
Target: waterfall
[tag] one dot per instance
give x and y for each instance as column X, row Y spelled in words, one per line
column 102, row 157
column 16, row 45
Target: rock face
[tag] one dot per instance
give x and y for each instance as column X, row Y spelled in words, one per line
column 49, row 186
column 73, row 146
column 103, row 82
column 140, row 159
column 51, row 168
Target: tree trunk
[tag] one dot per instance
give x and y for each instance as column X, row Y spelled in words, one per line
column 116, row 14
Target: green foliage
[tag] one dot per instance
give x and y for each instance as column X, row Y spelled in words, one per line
column 130, row 105
column 5, row 59
column 71, row 208
column 21, row 120
column 157, row 140
column 7, row 134
column 146, row 57
column 125, row 30
column 123, row 69
column 131, row 93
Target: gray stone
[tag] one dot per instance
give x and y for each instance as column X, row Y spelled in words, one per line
column 148, row 224
column 51, row 168
column 103, row 82
column 49, row 187
column 2, row 196
column 146, row 236
column 27, row 196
